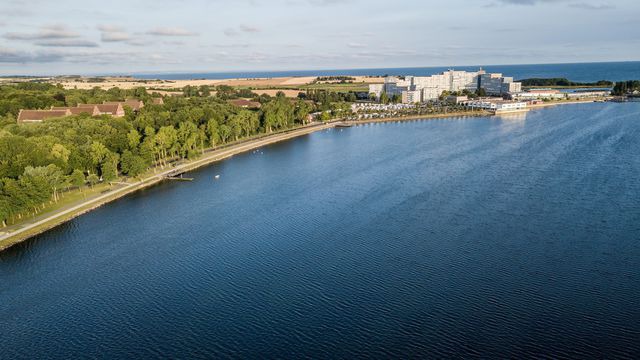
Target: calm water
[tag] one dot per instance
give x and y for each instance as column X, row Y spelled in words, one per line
column 586, row 72
column 486, row 237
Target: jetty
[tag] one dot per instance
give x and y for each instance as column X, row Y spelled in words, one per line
column 178, row 175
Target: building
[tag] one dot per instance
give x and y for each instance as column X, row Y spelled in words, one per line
column 376, row 89
column 157, row 101
column 497, row 106
column 496, row 84
column 411, row 97
column 115, row 109
column 36, row 116
column 91, row 110
column 454, row 99
column 134, row 104
column 431, row 87
column 553, row 94
column 538, row 94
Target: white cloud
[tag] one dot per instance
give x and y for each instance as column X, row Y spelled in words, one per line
column 170, row 31
column 46, row 32
column 356, row 45
column 66, row 43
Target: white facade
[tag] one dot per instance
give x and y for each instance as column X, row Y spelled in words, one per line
column 497, row 105
column 376, row 89
column 412, row 96
column 431, row 87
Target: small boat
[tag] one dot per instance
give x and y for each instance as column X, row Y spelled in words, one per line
column 217, row 177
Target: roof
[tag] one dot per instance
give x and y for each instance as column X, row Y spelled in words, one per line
column 89, row 109
column 544, row 91
column 245, row 103
column 157, row 101
column 40, row 115
column 134, row 104
column 112, row 109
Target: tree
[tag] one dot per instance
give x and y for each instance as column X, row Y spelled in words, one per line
column 187, row 138
column 225, row 132
column 93, row 179
column 325, row 116
column 384, row 98
column 133, row 138
column 50, row 175
column 77, row 178
column 212, row 131
column 132, row 165
column 301, row 112
column 165, row 140
column 61, row 153
column 109, row 168
column 97, row 152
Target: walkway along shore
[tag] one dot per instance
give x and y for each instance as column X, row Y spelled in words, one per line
column 18, row 233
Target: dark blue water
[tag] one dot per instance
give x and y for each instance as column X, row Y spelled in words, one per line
column 585, row 72
column 506, row 237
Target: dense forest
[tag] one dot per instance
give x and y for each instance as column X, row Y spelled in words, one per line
column 562, row 82
column 38, row 161
column 626, row 87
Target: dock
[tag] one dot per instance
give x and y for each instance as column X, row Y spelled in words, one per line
column 177, row 175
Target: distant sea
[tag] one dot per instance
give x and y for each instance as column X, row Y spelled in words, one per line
column 585, row 72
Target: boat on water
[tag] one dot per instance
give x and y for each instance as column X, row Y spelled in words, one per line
column 343, row 125
column 216, row 177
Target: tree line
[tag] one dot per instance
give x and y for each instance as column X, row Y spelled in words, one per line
column 39, row 161
column 626, row 87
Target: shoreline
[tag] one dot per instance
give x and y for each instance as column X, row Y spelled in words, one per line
column 58, row 217
column 10, row 238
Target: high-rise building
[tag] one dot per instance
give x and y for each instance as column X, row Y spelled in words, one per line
column 425, row 88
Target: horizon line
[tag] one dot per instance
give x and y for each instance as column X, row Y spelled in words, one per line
column 195, row 72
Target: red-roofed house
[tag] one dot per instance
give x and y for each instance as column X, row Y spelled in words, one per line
column 134, row 104
column 32, row 116
column 85, row 109
column 115, row 110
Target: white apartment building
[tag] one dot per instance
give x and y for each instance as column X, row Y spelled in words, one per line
column 431, row 87
column 411, row 96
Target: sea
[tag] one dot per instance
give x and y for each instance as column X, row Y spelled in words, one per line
column 482, row 237
column 579, row 72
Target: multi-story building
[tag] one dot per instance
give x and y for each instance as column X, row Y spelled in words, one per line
column 431, row 87
column 411, row 96
column 497, row 106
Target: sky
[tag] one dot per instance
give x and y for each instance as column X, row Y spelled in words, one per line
column 43, row 37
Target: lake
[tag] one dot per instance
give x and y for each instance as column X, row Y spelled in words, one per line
column 513, row 236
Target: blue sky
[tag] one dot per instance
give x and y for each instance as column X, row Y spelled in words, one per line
column 88, row 37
